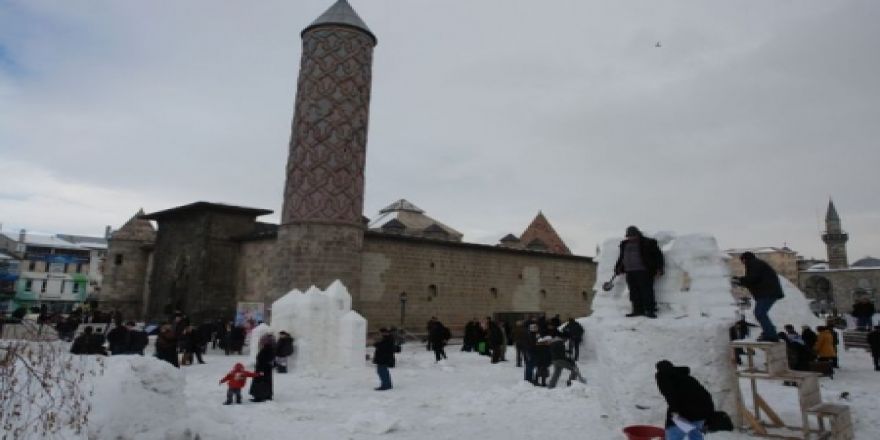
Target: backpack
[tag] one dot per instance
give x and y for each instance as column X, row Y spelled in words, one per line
column 719, row 421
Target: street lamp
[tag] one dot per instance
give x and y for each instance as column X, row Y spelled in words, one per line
column 402, row 309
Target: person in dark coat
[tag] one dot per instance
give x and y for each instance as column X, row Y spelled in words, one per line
column 809, row 338
column 520, row 336
column 192, row 345
column 236, row 336
column 384, row 358
column 763, row 283
column 87, row 343
column 166, row 345
column 283, row 349
column 437, row 340
column 542, row 359
column 261, row 386
column 642, row 261
column 575, row 333
column 528, row 349
column 686, row 399
column 468, row 339
column 137, row 339
column 119, row 339
column 494, row 339
column 874, row 343
column 863, row 311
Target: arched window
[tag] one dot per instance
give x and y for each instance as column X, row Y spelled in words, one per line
column 494, row 292
column 543, row 293
column 432, row 291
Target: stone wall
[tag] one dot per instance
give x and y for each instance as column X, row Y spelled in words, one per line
column 317, row 254
column 459, row 281
column 256, row 261
column 195, row 264
column 845, row 285
column 125, row 271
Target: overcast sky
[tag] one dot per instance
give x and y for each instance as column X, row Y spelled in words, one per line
column 742, row 124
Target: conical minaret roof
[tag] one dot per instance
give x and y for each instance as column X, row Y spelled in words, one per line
column 340, row 14
column 831, row 215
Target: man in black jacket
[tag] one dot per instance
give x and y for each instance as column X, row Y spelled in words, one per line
column 763, row 283
column 384, row 358
column 642, row 261
column 874, row 343
column 863, row 311
column 688, row 401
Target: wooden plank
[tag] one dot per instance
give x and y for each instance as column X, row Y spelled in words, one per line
column 751, row 419
column 777, row 421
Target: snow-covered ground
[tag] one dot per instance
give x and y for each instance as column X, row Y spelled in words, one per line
column 464, row 397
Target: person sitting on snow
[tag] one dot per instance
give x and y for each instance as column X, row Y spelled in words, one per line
column 236, row 379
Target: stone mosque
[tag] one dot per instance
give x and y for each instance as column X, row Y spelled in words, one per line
column 402, row 267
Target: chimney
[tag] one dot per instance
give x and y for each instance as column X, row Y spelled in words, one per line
column 22, row 235
column 107, row 231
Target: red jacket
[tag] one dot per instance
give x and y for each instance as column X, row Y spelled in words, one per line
column 238, row 377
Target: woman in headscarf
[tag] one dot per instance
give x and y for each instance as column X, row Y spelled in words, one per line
column 261, row 386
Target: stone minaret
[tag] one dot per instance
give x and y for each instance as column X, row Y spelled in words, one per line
column 835, row 239
column 321, row 233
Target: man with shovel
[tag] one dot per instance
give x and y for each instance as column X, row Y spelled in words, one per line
column 642, row 262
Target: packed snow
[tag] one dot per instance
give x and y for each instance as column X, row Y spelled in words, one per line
column 327, row 333
column 460, row 398
column 463, row 397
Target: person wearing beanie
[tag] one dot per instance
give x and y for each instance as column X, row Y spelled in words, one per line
column 763, row 283
column 642, row 261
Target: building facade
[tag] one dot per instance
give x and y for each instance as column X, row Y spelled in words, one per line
column 835, row 286
column 401, row 269
column 60, row 271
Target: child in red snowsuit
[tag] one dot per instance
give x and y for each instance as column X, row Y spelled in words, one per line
column 237, row 378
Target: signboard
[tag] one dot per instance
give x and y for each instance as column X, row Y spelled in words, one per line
column 249, row 312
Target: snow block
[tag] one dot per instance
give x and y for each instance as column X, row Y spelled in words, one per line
column 327, row 333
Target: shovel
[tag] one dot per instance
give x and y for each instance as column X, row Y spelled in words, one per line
column 608, row 285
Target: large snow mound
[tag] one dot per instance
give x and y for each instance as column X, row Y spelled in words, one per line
column 137, row 398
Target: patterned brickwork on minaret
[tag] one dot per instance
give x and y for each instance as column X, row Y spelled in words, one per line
column 321, row 233
column 325, row 170
column 835, row 239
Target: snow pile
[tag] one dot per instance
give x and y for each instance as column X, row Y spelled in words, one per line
column 372, row 422
column 137, row 397
column 696, row 309
column 326, row 332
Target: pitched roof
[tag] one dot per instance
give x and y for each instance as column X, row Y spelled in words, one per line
column 136, row 228
column 541, row 229
column 340, row 14
column 203, row 207
column 412, row 218
column 509, row 238
column 401, row 205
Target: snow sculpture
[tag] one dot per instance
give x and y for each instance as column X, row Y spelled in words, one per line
column 326, row 332
column 696, row 309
